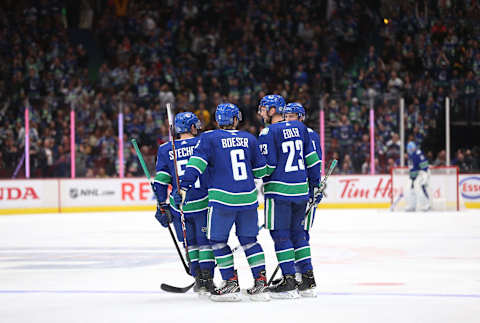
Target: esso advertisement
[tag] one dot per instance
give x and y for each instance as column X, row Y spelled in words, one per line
column 359, row 188
column 470, row 187
column 106, row 192
column 28, row 194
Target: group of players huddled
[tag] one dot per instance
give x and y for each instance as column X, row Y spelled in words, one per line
column 217, row 170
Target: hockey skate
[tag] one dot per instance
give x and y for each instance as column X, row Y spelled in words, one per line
column 229, row 292
column 286, row 289
column 205, row 282
column 197, row 286
column 259, row 291
column 307, row 287
column 298, row 279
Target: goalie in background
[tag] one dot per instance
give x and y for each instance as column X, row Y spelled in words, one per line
column 420, row 176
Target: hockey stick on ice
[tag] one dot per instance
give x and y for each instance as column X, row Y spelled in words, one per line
column 165, row 287
column 182, row 290
column 147, row 174
column 394, row 204
column 312, row 204
column 177, row 178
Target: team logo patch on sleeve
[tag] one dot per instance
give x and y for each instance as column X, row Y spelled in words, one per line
column 264, row 131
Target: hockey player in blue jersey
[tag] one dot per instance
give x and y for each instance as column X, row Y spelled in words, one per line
column 232, row 159
column 293, row 167
column 419, row 174
column 200, row 250
column 270, row 108
column 295, row 111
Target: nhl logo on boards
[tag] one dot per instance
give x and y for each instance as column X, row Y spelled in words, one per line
column 74, row 193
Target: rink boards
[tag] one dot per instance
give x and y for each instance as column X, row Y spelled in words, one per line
column 134, row 194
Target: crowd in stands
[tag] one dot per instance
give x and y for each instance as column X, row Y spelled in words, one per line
column 196, row 54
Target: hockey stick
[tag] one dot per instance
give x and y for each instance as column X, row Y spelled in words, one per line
column 323, row 185
column 165, row 287
column 147, row 174
column 394, row 204
column 182, row 290
column 177, row 290
column 177, row 178
column 273, row 275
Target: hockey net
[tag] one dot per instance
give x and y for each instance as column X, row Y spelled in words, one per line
column 443, row 188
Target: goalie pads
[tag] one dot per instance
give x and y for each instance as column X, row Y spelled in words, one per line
column 419, row 193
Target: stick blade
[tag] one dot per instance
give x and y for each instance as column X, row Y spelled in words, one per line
column 176, row 290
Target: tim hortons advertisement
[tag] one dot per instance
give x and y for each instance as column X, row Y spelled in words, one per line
column 359, row 189
column 353, row 191
column 106, row 192
column 26, row 194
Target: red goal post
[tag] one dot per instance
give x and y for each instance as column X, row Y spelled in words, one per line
column 443, row 187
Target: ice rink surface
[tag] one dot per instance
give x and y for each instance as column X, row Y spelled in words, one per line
column 371, row 266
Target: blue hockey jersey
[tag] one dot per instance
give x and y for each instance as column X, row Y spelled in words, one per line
column 416, row 163
column 316, row 146
column 165, row 175
column 233, row 159
column 291, row 160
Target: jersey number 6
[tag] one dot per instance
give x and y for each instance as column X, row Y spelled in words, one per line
column 239, row 168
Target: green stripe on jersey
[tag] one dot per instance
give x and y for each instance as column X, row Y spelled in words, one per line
column 197, row 163
column 288, row 189
column 232, row 199
column 163, row 178
column 192, row 206
column 423, row 164
column 312, row 159
column 260, row 172
column 270, row 170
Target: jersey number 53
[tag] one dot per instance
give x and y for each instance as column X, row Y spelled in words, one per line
column 181, row 165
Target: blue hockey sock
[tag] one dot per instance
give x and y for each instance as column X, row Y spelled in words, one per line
column 206, row 258
column 254, row 253
column 193, row 254
column 224, row 258
column 284, row 251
